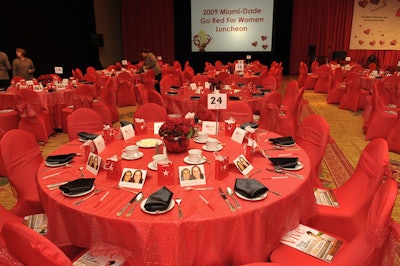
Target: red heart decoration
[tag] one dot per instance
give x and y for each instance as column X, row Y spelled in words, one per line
column 398, row 13
column 254, row 44
column 265, row 46
column 361, row 42
column 394, row 42
column 363, row 3
column 372, row 43
column 381, row 42
column 263, row 37
column 367, row 31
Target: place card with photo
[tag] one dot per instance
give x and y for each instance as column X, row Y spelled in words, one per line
column 93, row 163
column 243, row 165
column 132, row 178
column 192, row 175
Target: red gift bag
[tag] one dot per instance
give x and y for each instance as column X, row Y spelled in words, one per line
column 165, row 171
column 113, row 167
column 221, row 166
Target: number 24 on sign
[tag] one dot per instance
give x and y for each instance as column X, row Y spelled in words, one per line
column 216, row 101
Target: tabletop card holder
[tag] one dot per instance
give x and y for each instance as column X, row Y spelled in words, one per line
column 108, row 134
column 165, row 173
column 126, row 132
column 221, row 166
column 113, row 168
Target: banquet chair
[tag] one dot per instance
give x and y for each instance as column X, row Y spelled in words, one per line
column 289, row 117
column 78, row 74
column 187, row 77
column 290, row 93
column 125, row 94
column 354, row 197
column 269, row 114
column 109, row 97
column 366, row 246
column 8, row 119
column 324, row 81
column 154, row 97
column 83, row 120
column 269, row 83
column 233, row 79
column 151, row 112
column 200, row 79
column 33, row 117
column 6, row 217
column 354, row 98
column 238, row 110
column 312, row 135
column 223, row 75
column 393, row 138
column 303, row 73
column 338, row 87
column 263, row 74
column 381, row 119
column 22, row 158
column 202, row 112
column 32, row 248
column 167, row 82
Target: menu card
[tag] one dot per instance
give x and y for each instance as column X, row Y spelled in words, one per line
column 312, row 242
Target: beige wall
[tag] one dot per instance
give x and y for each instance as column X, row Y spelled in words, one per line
column 108, row 23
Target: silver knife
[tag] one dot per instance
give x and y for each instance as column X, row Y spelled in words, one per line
column 126, row 206
column 233, row 209
column 285, row 173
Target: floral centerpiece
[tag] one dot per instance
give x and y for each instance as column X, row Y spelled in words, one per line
column 176, row 133
column 215, row 83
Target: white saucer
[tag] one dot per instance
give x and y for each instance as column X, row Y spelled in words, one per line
column 199, row 141
column 218, row 148
column 138, row 156
column 56, row 164
column 261, row 197
column 151, row 166
column 186, row 160
column 78, row 194
column 170, row 207
column 298, row 166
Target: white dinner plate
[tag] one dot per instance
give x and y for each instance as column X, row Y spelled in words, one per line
column 151, row 166
column 170, row 207
column 78, row 194
column 148, row 143
column 298, row 166
column 56, row 164
column 186, row 160
column 261, row 197
column 218, row 148
column 138, row 156
column 285, row 145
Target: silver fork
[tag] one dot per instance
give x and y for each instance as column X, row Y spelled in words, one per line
column 88, row 197
column 178, row 201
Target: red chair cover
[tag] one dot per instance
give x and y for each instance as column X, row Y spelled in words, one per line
column 83, row 120
column 312, row 136
column 325, row 77
column 223, row 75
column 33, row 117
column 151, row 112
column 365, row 248
column 233, row 79
column 200, row 79
column 269, row 83
column 354, row 98
column 354, row 197
column 125, row 94
column 303, row 73
column 22, row 161
column 338, row 87
column 154, row 97
column 167, row 81
column 289, row 116
column 269, row 115
column 393, row 138
column 240, row 111
column 202, row 112
column 32, row 248
column 9, row 119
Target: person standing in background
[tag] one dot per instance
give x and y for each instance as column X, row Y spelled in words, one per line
column 23, row 66
column 5, row 66
column 150, row 62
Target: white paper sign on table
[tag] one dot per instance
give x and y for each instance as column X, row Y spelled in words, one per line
column 238, row 135
column 216, row 101
column 239, row 66
column 126, row 132
column 157, row 126
column 210, row 127
column 58, row 70
column 99, row 143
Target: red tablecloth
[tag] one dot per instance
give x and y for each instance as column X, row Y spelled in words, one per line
column 204, row 236
column 52, row 101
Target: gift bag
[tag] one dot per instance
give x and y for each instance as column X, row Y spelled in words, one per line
column 221, row 166
column 108, row 134
column 113, row 168
column 165, row 173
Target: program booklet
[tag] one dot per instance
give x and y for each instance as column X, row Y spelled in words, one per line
column 90, row 258
column 325, row 197
column 312, row 242
column 37, row 222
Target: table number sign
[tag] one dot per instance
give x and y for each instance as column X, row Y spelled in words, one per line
column 100, row 144
column 126, row 132
column 216, row 101
column 58, row 70
column 239, row 66
column 124, row 62
column 193, row 86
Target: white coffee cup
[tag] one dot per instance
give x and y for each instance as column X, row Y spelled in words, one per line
column 158, row 158
column 202, row 136
column 195, row 155
column 131, row 151
column 212, row 143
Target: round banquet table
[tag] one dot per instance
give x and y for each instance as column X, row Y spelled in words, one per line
column 204, row 236
column 182, row 103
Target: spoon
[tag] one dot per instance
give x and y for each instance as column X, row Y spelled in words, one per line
column 230, row 193
column 138, row 199
column 279, row 169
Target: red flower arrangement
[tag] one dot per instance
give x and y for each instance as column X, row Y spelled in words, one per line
column 176, row 133
column 215, row 83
